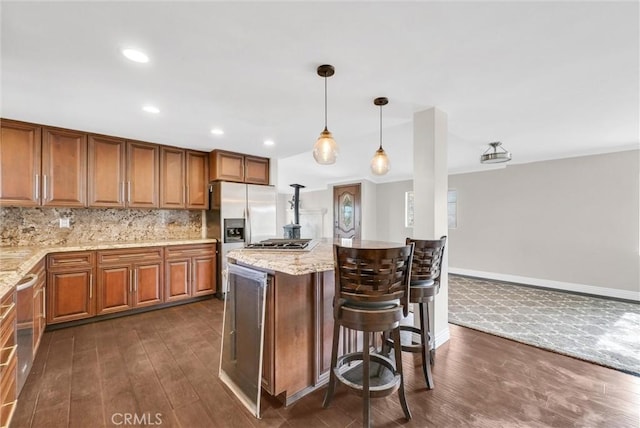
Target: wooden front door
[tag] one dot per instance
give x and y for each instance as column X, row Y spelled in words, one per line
column 346, row 211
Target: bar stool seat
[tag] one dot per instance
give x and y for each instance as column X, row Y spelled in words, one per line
column 372, row 288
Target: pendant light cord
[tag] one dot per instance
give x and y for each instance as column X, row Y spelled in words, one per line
column 325, row 101
column 380, row 128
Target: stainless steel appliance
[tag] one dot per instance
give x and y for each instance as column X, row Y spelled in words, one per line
column 284, row 244
column 240, row 214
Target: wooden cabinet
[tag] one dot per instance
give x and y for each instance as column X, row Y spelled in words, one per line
column 20, row 149
column 106, row 174
column 128, row 278
column 38, row 302
column 229, row 166
column 70, row 288
column 142, row 175
column 190, row 271
column 172, row 178
column 197, row 177
column 64, row 168
column 8, row 359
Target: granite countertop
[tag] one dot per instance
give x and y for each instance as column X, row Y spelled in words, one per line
column 15, row 262
column 319, row 259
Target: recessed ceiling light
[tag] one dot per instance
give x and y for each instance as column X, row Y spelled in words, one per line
column 269, row 142
column 151, row 109
column 217, row 131
column 135, row 55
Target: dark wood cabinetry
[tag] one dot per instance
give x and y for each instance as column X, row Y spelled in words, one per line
column 20, row 150
column 229, row 166
column 106, row 175
column 197, row 178
column 70, row 293
column 128, row 278
column 39, row 301
column 142, row 174
column 190, row 271
column 64, row 168
column 172, row 173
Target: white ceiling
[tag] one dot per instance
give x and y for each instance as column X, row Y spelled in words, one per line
column 548, row 79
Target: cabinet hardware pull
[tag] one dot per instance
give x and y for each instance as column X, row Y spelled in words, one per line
column 184, row 195
column 122, row 191
column 7, row 309
column 129, row 192
column 44, row 187
column 135, row 281
column 11, row 354
column 61, row 261
column 37, row 187
column 130, row 281
column 90, row 286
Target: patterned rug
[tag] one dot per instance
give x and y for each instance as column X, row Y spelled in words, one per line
column 603, row 331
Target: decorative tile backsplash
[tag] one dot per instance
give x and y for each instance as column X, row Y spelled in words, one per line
column 41, row 226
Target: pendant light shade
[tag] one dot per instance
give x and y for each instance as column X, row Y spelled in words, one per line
column 325, row 151
column 380, row 162
column 495, row 154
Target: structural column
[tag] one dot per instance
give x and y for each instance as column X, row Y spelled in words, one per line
column 430, row 186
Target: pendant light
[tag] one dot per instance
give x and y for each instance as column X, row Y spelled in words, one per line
column 380, row 161
column 497, row 155
column 325, row 151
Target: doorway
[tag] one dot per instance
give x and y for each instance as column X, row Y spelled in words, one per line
column 346, row 211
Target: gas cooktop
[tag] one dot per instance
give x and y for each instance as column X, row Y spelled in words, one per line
column 283, row 244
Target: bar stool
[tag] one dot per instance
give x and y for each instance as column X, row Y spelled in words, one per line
column 425, row 284
column 371, row 296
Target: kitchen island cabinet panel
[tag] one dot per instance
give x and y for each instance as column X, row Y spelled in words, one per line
column 20, row 145
column 64, row 168
column 106, row 171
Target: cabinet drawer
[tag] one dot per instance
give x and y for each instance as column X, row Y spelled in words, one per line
column 180, row 251
column 78, row 259
column 8, row 346
column 8, row 394
column 129, row 255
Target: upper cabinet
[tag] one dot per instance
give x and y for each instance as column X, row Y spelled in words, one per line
column 172, row 184
column 64, row 168
column 107, row 174
column 20, row 149
column 197, row 177
column 229, row 166
column 142, row 174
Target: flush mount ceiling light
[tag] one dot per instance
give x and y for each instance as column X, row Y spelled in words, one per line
column 151, row 109
column 380, row 162
column 325, row 151
column 269, row 142
column 135, row 55
column 217, row 131
column 495, row 154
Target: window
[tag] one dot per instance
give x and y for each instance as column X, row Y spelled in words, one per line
column 408, row 209
column 452, row 209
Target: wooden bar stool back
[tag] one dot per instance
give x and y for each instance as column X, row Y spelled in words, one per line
column 372, row 287
column 425, row 284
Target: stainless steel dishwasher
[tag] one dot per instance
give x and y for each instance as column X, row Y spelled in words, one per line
column 25, row 317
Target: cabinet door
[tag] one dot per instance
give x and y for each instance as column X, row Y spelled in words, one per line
column 39, row 321
column 256, row 170
column 113, row 289
column 172, row 173
column 64, row 168
column 226, row 166
column 70, row 296
column 197, row 180
column 177, row 275
column 106, row 176
column 204, row 274
column 20, row 164
column 142, row 175
column 147, row 284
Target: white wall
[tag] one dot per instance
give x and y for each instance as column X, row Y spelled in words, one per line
column 568, row 223
column 310, row 203
column 390, row 212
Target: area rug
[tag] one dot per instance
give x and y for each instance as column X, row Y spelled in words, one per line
column 603, row 331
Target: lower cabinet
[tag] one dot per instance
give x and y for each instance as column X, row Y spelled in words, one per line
column 39, row 311
column 8, row 359
column 128, row 278
column 70, row 288
column 190, row 271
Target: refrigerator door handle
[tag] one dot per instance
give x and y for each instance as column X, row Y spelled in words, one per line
column 247, row 225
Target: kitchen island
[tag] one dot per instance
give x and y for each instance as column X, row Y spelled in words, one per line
column 298, row 318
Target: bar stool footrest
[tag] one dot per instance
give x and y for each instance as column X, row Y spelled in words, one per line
column 415, row 347
column 383, row 377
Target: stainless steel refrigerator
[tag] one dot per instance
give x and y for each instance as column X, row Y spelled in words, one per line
column 240, row 214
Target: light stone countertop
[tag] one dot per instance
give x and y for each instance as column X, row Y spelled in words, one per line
column 15, row 262
column 319, row 259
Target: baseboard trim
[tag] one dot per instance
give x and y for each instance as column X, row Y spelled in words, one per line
column 442, row 336
column 547, row 283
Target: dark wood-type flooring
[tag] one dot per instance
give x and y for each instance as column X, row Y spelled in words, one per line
column 166, row 362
